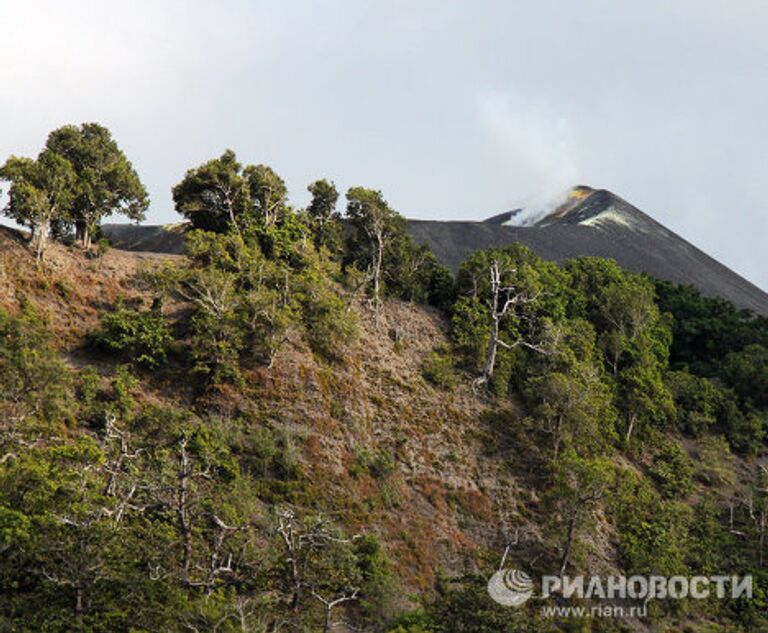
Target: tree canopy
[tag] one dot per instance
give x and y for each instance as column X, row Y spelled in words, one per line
column 79, row 178
column 106, row 182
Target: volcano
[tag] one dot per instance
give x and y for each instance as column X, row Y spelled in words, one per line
column 590, row 222
column 600, row 223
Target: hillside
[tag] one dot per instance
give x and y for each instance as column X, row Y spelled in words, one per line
column 207, row 402
column 457, row 490
column 70, row 289
column 445, row 491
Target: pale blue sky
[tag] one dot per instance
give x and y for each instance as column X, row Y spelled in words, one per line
column 456, row 110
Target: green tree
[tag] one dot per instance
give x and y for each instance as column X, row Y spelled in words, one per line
column 324, row 217
column 672, row 469
column 214, row 196
column 413, row 273
column 747, row 373
column 34, row 383
column 697, row 401
column 634, row 336
column 379, row 244
column 653, row 531
column 243, row 304
column 504, row 298
column 376, row 226
column 579, row 487
column 223, row 196
column 707, row 329
column 643, row 396
column 743, row 425
column 329, row 325
column 268, row 194
column 42, row 192
column 321, row 567
column 106, row 182
column 567, row 390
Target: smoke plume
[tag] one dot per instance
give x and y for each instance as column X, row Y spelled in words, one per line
column 536, row 149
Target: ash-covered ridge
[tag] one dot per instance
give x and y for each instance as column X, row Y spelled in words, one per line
column 599, row 223
column 589, row 222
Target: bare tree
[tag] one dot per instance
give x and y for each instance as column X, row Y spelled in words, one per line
column 121, row 483
column 303, row 545
column 503, row 298
column 331, row 603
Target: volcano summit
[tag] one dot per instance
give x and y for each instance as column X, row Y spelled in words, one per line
column 599, row 223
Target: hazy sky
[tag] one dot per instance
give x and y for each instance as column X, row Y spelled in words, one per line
column 456, row 110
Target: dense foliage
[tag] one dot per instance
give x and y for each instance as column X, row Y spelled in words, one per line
column 80, row 177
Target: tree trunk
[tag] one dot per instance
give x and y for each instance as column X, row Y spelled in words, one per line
column 83, row 233
column 296, row 578
column 558, row 435
column 377, row 272
column 327, row 625
column 79, row 605
column 79, row 231
column 185, row 524
column 630, row 428
column 568, row 543
column 493, row 341
column 493, row 346
column 42, row 238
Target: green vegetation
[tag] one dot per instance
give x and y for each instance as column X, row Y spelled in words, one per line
column 80, row 177
column 267, row 447
column 438, row 368
column 394, row 265
column 142, row 338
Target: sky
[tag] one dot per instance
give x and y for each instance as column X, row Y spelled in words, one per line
column 454, row 109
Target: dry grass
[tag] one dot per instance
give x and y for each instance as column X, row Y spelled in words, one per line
column 69, row 287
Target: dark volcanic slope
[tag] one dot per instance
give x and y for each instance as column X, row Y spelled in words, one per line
column 168, row 238
column 599, row 224
column 590, row 223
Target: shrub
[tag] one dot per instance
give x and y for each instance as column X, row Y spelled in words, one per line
column 33, row 380
column 378, row 464
column 438, row 369
column 743, row 426
column 64, row 289
column 329, row 326
column 142, row 338
column 715, row 462
column 375, row 575
column 652, row 531
column 672, row 470
column 696, row 402
column 747, row 373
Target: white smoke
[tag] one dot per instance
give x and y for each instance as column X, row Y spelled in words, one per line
column 536, row 145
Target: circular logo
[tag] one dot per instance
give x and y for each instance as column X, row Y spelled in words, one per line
column 510, row 587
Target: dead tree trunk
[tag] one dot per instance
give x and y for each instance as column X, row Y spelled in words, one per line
column 182, row 507
column 568, row 543
column 331, row 604
column 288, row 534
column 377, row 264
column 501, row 300
column 630, row 427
